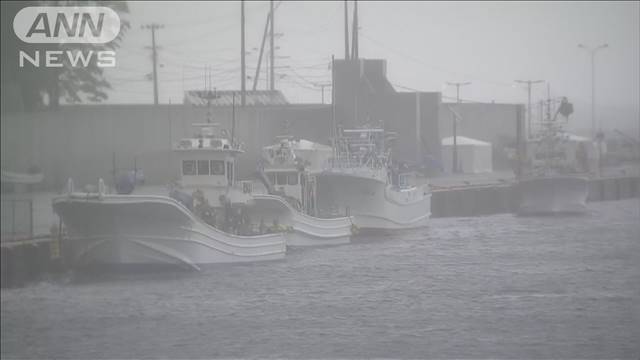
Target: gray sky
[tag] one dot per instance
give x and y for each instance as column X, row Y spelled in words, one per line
column 426, row 44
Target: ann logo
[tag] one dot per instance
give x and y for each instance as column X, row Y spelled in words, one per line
column 64, row 24
column 41, row 25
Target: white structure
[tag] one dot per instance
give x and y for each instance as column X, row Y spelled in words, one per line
column 305, row 230
column 21, row 178
column 474, row 156
column 207, row 162
column 286, row 169
column 554, row 179
column 106, row 229
column 360, row 181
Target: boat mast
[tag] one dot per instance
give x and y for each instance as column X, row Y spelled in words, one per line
column 346, row 31
column 233, row 118
column 334, row 127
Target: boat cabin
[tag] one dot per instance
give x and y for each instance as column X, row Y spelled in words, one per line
column 207, row 159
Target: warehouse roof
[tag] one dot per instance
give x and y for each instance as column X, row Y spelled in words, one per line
column 226, row 97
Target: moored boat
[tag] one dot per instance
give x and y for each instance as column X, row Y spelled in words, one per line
column 109, row 229
column 552, row 183
column 361, row 181
column 286, row 170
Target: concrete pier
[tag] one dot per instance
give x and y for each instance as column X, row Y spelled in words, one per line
column 478, row 200
column 26, row 261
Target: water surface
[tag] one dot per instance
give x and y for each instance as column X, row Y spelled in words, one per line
column 486, row 287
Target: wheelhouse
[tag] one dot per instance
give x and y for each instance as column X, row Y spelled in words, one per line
column 207, row 159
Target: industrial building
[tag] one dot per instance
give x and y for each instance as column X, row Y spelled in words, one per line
column 87, row 142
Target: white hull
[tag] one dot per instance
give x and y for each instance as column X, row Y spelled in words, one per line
column 553, row 195
column 21, row 178
column 371, row 203
column 145, row 230
column 307, row 230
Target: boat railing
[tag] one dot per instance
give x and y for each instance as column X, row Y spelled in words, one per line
column 350, row 160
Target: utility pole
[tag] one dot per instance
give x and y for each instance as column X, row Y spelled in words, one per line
column 529, row 84
column 243, row 92
column 354, row 40
column 273, row 49
column 592, row 52
column 541, row 111
column 520, row 148
column 454, row 168
column 346, row 31
column 154, row 56
column 322, row 86
column 264, row 37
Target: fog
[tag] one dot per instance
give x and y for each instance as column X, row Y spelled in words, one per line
column 426, row 44
column 406, row 201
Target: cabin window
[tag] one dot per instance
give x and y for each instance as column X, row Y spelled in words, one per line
column 217, row 167
column 292, row 178
column 203, row 167
column 188, row 167
column 282, row 178
column 272, row 178
column 403, row 181
column 247, row 187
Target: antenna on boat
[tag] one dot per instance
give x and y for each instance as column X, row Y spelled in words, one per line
column 334, row 127
column 233, row 117
column 548, row 101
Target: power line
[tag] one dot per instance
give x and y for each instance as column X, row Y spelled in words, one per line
column 462, row 100
column 419, row 61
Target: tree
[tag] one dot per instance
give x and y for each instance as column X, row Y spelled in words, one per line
column 27, row 88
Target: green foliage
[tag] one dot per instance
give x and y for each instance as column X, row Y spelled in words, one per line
column 26, row 88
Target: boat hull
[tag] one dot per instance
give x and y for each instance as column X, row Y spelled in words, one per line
column 21, row 178
column 553, row 195
column 146, row 230
column 373, row 204
column 305, row 230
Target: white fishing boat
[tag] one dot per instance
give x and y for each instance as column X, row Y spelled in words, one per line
column 361, row 181
column 302, row 229
column 109, row 229
column 207, row 165
column 206, row 162
column 21, row 178
column 286, row 172
column 552, row 183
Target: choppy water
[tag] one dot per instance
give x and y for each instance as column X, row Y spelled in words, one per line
column 487, row 287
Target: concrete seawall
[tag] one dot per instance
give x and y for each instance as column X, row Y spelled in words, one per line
column 497, row 199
